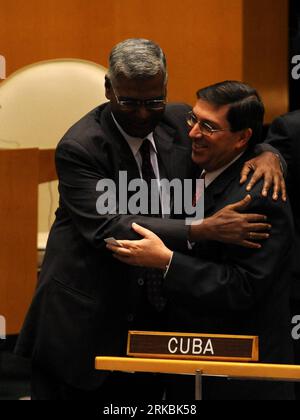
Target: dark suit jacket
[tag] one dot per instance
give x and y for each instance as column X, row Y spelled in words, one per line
column 86, row 301
column 227, row 289
column 284, row 134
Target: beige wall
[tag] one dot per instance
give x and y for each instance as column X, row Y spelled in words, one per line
column 205, row 40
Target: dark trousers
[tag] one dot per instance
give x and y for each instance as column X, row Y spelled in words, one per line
column 137, row 387
column 140, row 387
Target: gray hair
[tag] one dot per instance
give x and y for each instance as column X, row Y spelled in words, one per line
column 137, row 58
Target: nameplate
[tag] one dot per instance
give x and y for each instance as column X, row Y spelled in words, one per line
column 192, row 346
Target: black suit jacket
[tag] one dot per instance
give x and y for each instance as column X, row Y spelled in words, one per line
column 225, row 289
column 86, row 301
column 284, row 134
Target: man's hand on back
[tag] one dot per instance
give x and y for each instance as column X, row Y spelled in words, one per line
column 230, row 225
column 266, row 166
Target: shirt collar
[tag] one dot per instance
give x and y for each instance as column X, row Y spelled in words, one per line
column 135, row 142
column 211, row 176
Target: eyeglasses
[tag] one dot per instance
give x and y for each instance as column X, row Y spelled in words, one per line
column 205, row 128
column 134, row 104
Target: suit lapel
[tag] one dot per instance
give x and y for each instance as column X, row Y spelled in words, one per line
column 174, row 161
column 220, row 184
column 126, row 160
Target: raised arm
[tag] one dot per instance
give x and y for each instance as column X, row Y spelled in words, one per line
column 280, row 137
column 79, row 173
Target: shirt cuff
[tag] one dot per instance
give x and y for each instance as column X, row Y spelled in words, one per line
column 190, row 245
column 168, row 266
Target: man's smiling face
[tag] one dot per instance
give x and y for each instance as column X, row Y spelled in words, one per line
column 212, row 151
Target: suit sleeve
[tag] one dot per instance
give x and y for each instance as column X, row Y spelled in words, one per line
column 233, row 278
column 278, row 137
column 267, row 147
column 78, row 176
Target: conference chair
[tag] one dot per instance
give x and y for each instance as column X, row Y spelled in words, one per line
column 38, row 104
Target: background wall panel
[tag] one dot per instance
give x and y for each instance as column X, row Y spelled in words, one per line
column 205, row 41
column 202, row 40
column 265, row 52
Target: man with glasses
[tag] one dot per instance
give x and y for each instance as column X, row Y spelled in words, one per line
column 218, row 288
column 205, row 127
column 86, row 301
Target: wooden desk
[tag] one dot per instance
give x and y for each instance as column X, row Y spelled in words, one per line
column 21, row 171
column 249, row 371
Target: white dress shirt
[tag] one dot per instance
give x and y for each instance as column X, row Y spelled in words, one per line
column 211, row 176
column 209, row 179
column 135, row 144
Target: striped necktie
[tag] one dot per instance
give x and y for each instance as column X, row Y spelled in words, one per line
column 154, row 277
column 198, row 191
column 148, row 173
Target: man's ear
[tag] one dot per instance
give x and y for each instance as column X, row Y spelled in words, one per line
column 108, row 90
column 245, row 136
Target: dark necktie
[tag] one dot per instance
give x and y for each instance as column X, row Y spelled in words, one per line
column 147, row 169
column 154, row 277
column 148, row 173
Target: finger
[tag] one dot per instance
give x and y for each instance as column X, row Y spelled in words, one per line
column 267, row 185
column 254, row 179
column 252, row 245
column 119, row 251
column 277, row 187
column 141, row 230
column 244, row 173
column 241, row 205
column 259, row 227
column 123, row 252
column 258, row 236
column 129, row 244
column 283, row 190
column 255, row 218
column 111, row 247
